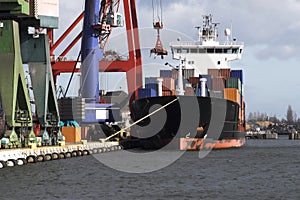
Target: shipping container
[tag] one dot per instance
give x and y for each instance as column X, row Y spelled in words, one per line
column 146, row 93
column 213, row 72
column 189, row 91
column 175, row 74
column 232, row 94
column 217, row 94
column 194, row 80
column 234, row 83
column 165, row 73
column 218, row 84
column 153, row 86
column 237, row 74
column 225, row 73
column 168, row 93
column 71, row 134
column 168, row 84
column 150, row 80
column 187, row 73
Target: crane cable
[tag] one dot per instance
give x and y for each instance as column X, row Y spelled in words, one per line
column 157, row 9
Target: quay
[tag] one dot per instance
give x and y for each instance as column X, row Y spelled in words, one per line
column 294, row 136
column 22, row 156
column 265, row 135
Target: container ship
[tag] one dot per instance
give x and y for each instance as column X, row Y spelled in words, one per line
column 199, row 104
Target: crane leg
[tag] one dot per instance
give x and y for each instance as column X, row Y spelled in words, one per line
column 13, row 90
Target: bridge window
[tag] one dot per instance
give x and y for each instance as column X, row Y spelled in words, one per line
column 178, row 50
column 194, row 50
column 219, row 50
column 202, row 50
column 210, row 50
column 229, row 51
column 185, row 50
column 235, row 50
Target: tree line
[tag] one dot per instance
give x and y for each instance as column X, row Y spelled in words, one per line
column 290, row 118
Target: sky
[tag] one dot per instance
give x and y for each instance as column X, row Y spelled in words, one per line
column 270, row 30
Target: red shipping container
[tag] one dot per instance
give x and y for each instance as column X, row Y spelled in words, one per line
column 213, row 72
column 174, row 74
column 167, row 93
column 194, row 80
column 225, row 73
column 168, row 84
column 218, row 84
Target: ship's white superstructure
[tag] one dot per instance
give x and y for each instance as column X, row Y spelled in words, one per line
column 207, row 52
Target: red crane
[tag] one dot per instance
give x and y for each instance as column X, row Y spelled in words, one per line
column 132, row 66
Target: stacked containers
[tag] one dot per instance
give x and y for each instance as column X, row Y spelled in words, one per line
column 186, row 73
column 218, row 81
column 165, row 73
column 234, row 83
column 168, row 85
column 242, row 120
column 228, row 84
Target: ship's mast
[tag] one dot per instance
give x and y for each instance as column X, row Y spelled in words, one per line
column 209, row 31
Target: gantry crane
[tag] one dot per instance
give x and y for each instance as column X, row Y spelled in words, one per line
column 20, row 46
column 37, row 51
column 132, row 66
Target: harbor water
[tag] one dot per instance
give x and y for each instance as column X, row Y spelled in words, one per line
column 262, row 169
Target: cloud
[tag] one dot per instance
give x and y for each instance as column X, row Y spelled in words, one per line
column 272, row 23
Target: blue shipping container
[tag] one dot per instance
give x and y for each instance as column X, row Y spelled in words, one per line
column 150, row 80
column 165, row 73
column 237, row 74
column 146, row 93
column 153, row 86
column 209, row 81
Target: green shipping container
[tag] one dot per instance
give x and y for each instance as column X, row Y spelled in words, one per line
column 234, row 83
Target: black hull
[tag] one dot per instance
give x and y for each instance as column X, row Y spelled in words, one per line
column 217, row 117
